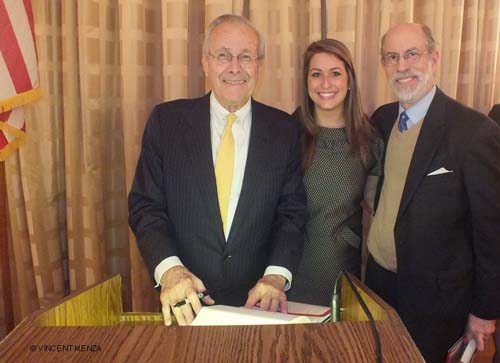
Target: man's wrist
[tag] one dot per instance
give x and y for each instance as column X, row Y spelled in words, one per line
column 164, row 266
column 281, row 271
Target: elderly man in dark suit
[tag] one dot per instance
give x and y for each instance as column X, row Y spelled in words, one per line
column 435, row 240
column 217, row 203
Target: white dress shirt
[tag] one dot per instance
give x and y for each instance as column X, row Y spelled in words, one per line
column 241, row 134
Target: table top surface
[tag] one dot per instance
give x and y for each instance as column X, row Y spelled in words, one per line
column 330, row 342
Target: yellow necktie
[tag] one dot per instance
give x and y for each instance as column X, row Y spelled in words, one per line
column 224, row 165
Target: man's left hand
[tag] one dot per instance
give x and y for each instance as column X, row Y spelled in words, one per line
column 268, row 292
column 479, row 330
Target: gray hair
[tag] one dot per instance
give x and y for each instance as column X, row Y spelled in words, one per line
column 230, row 18
column 429, row 39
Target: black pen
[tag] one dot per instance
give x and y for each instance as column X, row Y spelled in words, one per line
column 201, row 295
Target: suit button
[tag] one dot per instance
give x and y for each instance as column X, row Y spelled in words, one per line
column 228, row 257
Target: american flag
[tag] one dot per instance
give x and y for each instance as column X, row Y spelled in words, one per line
column 18, row 71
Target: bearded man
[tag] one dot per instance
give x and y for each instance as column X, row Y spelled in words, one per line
column 435, row 240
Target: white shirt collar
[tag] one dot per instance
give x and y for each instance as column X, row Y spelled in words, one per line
column 418, row 111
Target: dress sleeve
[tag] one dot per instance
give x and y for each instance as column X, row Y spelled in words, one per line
column 376, row 152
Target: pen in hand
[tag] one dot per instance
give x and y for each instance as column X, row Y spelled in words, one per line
column 201, row 295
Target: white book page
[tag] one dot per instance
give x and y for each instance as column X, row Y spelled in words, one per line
column 469, row 351
column 230, row 315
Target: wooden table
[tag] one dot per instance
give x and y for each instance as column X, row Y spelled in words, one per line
column 90, row 327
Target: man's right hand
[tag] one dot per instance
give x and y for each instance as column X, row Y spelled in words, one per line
column 177, row 284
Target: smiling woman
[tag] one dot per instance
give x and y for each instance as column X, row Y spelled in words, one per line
column 327, row 86
column 341, row 158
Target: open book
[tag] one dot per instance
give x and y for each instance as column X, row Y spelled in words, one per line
column 298, row 313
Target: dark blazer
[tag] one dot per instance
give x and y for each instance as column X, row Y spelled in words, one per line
column 495, row 113
column 447, row 229
column 173, row 206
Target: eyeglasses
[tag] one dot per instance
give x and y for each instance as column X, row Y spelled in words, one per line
column 226, row 57
column 411, row 56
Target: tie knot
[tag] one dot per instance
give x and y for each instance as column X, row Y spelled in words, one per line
column 230, row 119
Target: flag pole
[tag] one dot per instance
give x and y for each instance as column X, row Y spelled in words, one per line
column 8, row 312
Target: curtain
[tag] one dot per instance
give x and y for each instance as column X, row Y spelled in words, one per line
column 104, row 64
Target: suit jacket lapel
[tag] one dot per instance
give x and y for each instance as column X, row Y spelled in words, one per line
column 257, row 151
column 384, row 121
column 433, row 129
column 197, row 139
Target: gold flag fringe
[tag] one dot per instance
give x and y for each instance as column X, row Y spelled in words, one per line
column 19, row 138
column 20, row 100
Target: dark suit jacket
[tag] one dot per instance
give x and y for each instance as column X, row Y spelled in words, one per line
column 173, row 207
column 447, row 229
column 495, row 113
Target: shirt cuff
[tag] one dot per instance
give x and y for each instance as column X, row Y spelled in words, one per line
column 165, row 265
column 278, row 270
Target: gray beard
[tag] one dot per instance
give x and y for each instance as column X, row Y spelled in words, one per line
column 409, row 94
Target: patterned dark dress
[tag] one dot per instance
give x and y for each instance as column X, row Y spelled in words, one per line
column 334, row 184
